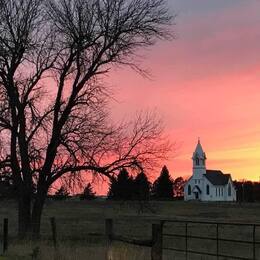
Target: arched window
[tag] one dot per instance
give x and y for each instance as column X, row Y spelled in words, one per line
column 229, row 189
column 197, row 161
column 189, row 190
column 207, row 189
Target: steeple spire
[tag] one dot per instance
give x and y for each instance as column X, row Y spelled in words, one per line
column 199, row 157
column 199, row 151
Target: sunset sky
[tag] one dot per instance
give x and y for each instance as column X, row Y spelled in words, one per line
column 205, row 84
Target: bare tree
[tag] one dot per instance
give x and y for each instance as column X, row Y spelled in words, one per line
column 54, row 117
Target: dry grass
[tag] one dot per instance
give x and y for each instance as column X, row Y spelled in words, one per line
column 67, row 251
column 43, row 251
column 80, row 226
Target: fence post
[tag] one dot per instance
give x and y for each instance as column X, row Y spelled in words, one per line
column 109, row 230
column 156, row 251
column 54, row 231
column 217, row 237
column 5, row 235
column 254, row 242
column 186, row 240
column 109, row 236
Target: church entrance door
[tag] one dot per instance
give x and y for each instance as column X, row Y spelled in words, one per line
column 196, row 195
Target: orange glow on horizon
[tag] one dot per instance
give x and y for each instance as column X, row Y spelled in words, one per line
column 206, row 83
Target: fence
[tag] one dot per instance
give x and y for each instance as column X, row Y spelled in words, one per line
column 183, row 232
column 5, row 234
column 155, row 243
column 221, row 243
column 159, row 235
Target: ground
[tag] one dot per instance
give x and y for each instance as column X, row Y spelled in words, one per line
column 80, row 226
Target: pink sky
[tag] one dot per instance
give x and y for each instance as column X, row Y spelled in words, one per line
column 205, row 84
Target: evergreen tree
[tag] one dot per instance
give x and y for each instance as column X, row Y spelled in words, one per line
column 112, row 192
column 163, row 185
column 141, row 187
column 122, row 188
column 61, row 193
column 88, row 193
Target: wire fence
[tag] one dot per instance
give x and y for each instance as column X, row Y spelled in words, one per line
column 212, row 239
column 205, row 240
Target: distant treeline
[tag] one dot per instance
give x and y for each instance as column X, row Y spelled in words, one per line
column 124, row 187
column 127, row 187
column 247, row 191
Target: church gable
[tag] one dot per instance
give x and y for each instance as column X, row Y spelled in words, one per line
column 196, row 189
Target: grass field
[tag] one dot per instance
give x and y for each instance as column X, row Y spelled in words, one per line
column 80, row 227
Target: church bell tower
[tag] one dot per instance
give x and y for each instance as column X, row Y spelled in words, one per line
column 199, row 161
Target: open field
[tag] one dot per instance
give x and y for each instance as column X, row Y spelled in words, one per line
column 80, row 226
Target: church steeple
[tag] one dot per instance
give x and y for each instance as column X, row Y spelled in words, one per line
column 199, row 159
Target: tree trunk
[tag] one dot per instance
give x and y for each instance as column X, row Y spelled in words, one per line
column 37, row 213
column 24, row 213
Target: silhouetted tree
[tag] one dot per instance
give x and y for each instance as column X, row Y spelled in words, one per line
column 141, row 187
column 61, row 127
column 239, row 190
column 61, row 193
column 88, row 193
column 247, row 191
column 178, row 187
column 122, row 188
column 163, row 185
column 257, row 191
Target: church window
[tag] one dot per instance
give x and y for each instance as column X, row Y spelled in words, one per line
column 197, row 161
column 207, row 189
column 216, row 192
column 189, row 190
column 229, row 189
column 222, row 192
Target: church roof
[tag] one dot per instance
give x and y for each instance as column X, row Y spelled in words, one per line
column 217, row 177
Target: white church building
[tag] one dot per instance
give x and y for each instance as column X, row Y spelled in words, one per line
column 208, row 185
